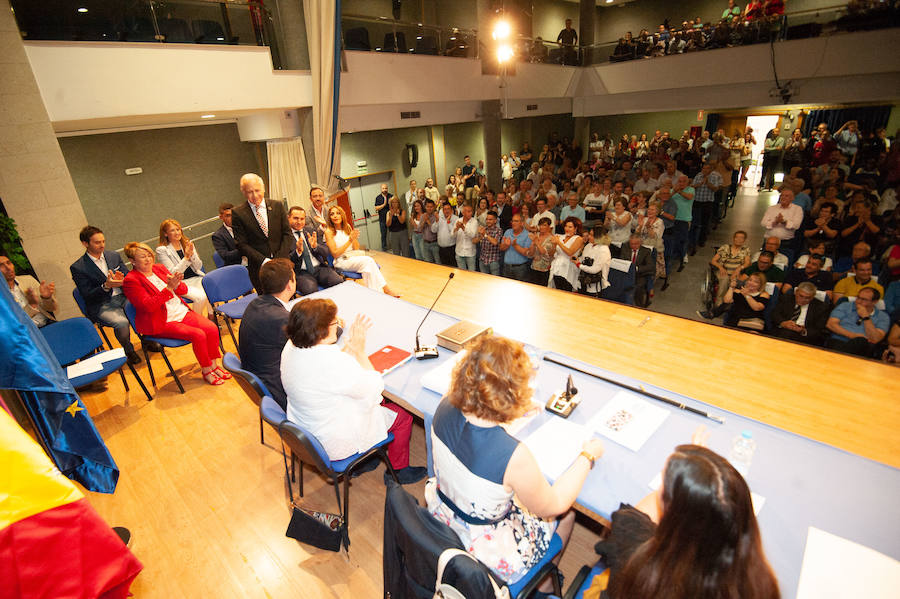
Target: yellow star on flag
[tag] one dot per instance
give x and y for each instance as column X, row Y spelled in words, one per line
column 74, row 408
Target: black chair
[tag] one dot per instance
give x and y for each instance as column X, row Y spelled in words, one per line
column 210, row 32
column 426, row 44
column 308, row 450
column 357, row 39
column 79, row 301
column 395, row 42
column 138, row 29
column 250, row 383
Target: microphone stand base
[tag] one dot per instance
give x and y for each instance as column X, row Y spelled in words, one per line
column 426, row 353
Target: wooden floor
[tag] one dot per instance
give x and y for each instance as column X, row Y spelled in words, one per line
column 206, row 501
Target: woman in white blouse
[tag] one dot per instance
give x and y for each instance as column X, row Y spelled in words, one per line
column 563, row 272
column 343, row 243
column 595, row 258
column 177, row 253
column 335, row 393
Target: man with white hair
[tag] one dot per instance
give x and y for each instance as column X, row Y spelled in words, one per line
column 784, row 218
column 261, row 229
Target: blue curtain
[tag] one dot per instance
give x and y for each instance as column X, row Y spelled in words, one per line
column 27, row 364
column 868, row 117
column 712, row 122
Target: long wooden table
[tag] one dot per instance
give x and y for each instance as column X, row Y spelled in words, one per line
column 846, row 402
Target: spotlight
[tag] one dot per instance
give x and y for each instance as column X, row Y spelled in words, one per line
column 82, row 9
column 501, row 30
column 504, row 53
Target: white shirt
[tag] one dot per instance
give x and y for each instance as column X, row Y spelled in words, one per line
column 175, row 308
column 594, row 200
column 464, row 236
column 793, row 218
column 104, row 268
column 312, row 257
column 546, row 213
column 445, row 235
column 410, row 197
column 334, row 398
column 649, row 185
column 432, row 193
column 801, row 320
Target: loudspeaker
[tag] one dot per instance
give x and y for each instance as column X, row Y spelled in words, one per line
column 412, row 155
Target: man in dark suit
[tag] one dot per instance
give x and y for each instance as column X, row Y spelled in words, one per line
column 381, row 207
column 310, row 255
column 262, row 335
column 223, row 238
column 261, row 230
column 799, row 316
column 644, row 267
column 98, row 276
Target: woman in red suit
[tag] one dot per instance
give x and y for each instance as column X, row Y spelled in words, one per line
column 154, row 292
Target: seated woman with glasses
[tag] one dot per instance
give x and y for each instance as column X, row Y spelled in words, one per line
column 335, row 393
column 488, row 487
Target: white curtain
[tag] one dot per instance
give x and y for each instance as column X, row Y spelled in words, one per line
column 288, row 175
column 322, row 22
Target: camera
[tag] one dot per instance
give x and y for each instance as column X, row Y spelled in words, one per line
column 587, row 261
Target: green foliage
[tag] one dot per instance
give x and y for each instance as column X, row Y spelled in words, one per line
column 11, row 244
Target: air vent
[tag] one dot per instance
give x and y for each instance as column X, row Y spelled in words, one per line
column 411, row 115
column 531, row 107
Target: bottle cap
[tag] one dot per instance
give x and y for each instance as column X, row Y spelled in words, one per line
column 747, row 434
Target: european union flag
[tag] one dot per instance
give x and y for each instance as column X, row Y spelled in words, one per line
column 28, row 365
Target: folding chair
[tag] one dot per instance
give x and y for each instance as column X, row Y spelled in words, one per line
column 82, row 307
column 250, row 383
column 163, row 342
column 76, row 338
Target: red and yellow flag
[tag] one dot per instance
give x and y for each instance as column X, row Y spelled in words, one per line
column 52, row 542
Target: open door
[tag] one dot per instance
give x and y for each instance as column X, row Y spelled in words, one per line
column 362, row 193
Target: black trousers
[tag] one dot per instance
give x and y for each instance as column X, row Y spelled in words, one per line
column 448, row 255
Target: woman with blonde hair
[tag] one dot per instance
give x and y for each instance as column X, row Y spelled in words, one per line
column 177, row 253
column 487, row 485
column 343, row 243
column 156, row 295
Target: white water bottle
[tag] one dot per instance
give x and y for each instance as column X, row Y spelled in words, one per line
column 742, row 449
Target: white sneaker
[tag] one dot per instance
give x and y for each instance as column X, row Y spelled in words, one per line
column 685, row 259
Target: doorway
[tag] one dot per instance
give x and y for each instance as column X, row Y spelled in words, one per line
column 761, row 125
column 362, row 191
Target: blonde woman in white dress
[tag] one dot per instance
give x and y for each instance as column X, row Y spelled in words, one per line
column 343, row 243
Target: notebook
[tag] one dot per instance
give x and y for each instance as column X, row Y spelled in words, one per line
column 388, row 358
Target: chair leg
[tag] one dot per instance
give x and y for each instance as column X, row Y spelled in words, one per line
column 140, row 382
column 384, row 458
column 149, row 364
column 105, row 338
column 300, row 477
column 293, row 472
column 346, row 500
column 172, row 370
column 337, row 494
column 233, row 340
column 261, row 439
column 124, row 382
column 216, row 319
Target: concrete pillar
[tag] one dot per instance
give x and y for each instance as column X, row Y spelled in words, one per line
column 291, row 32
column 438, row 156
column 587, row 15
column 490, row 118
column 35, row 184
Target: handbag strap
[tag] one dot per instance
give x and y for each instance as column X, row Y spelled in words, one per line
column 449, row 554
column 466, row 517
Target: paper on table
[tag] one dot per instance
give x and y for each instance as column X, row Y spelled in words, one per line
column 834, row 567
column 628, row 420
column 84, row 367
column 756, row 499
column 556, row 444
column 438, row 378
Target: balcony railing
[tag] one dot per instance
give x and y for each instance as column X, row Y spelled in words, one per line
column 384, row 34
column 169, row 21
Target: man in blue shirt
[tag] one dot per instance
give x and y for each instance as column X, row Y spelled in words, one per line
column 683, row 195
column 858, row 327
column 516, row 248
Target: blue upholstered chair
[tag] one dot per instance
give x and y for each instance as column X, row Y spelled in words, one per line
column 308, row 450
column 163, row 342
column 250, row 383
column 81, row 306
column 229, row 292
column 217, row 260
column 76, row 338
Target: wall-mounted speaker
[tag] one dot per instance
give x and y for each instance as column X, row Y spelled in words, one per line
column 412, row 155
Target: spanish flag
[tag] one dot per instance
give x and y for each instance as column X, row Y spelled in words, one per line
column 52, row 542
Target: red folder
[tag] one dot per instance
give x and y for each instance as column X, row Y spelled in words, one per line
column 388, row 358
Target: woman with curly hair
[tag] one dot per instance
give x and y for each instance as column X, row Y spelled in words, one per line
column 487, row 486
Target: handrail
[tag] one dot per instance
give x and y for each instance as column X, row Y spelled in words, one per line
column 155, row 239
column 391, row 20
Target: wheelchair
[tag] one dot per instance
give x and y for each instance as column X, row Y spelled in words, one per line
column 709, row 288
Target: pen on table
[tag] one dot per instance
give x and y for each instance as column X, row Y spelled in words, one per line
column 645, row 321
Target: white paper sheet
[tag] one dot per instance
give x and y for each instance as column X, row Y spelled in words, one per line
column 556, row 444
column 84, row 367
column 438, row 378
column 113, row 354
column 834, row 567
column 756, row 499
column 628, row 420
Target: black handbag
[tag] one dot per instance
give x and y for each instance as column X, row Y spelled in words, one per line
column 319, row 529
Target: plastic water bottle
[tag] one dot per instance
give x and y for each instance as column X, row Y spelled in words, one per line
column 742, row 449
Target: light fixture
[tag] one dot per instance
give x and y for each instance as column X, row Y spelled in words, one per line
column 504, row 53
column 779, row 177
column 82, row 9
column 609, row 1
column 418, row 37
column 220, row 39
column 207, row 116
column 501, row 30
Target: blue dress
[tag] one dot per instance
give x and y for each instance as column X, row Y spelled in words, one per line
column 467, row 494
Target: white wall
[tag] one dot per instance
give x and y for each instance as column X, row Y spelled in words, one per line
column 84, row 80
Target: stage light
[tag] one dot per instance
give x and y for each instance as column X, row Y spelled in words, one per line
column 82, row 10
column 502, row 30
column 504, row 53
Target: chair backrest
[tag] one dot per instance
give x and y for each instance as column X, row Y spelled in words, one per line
column 271, row 412
column 305, row 446
column 621, row 284
column 770, row 306
column 71, row 339
column 248, row 381
column 130, row 314
column 217, row 260
column 79, row 300
column 227, row 283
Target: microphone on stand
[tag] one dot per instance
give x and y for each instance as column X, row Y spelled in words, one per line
column 429, row 352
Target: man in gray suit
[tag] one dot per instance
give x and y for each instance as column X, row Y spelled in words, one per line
column 261, row 230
